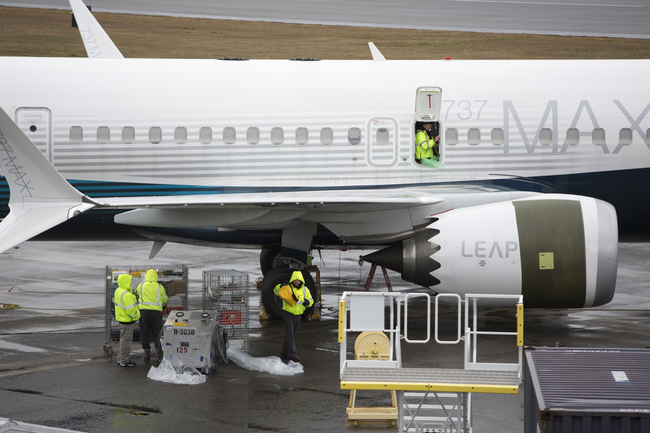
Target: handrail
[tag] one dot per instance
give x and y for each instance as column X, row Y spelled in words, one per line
column 369, row 315
column 472, row 332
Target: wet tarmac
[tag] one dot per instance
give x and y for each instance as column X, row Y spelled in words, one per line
column 54, row 372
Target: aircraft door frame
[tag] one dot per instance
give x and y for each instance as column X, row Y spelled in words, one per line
column 36, row 123
column 382, row 142
column 428, row 102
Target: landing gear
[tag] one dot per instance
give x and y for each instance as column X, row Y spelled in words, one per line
column 269, row 258
column 275, row 276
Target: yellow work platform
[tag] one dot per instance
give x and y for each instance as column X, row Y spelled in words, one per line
column 430, row 379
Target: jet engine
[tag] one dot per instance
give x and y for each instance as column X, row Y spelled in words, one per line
column 559, row 251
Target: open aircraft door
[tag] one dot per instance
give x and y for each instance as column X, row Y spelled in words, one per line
column 427, row 104
column 36, row 123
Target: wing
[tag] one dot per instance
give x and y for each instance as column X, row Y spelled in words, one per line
column 40, row 197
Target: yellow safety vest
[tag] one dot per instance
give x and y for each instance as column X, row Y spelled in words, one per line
column 152, row 294
column 303, row 294
column 126, row 305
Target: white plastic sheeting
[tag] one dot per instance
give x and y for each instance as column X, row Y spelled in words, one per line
column 270, row 364
column 174, row 371
column 10, row 426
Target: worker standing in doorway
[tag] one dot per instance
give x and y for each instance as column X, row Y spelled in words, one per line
column 152, row 301
column 126, row 313
column 293, row 306
column 427, row 144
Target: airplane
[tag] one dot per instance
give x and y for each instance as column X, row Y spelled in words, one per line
column 294, row 155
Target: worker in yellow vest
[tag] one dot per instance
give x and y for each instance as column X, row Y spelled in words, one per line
column 427, row 142
column 126, row 313
column 300, row 299
column 152, row 301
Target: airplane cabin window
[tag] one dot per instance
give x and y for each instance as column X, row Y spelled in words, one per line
column 302, row 135
column 205, row 135
column 497, row 136
column 354, row 136
column 572, row 136
column 326, row 136
column 598, row 136
column 277, row 135
column 253, row 135
column 474, row 136
column 76, row 134
column 625, row 136
column 128, row 135
column 155, row 134
column 383, row 136
column 229, row 135
column 103, row 134
column 180, row 135
column 451, row 136
column 545, row 137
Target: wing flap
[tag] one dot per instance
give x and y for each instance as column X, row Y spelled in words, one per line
column 309, row 199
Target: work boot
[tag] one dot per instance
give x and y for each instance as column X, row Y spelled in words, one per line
column 147, row 354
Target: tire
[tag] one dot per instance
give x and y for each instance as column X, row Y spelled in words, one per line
column 269, row 258
column 275, row 276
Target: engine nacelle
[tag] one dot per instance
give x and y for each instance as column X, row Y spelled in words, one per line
column 559, row 251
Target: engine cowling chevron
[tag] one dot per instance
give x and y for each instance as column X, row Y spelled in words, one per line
column 559, row 251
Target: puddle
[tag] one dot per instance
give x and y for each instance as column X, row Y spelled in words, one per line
column 19, row 347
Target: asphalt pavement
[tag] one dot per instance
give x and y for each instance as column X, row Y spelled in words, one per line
column 54, row 371
column 626, row 19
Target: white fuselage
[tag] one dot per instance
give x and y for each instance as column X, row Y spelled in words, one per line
column 277, row 124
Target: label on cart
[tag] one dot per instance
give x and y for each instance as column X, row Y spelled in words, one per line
column 184, row 331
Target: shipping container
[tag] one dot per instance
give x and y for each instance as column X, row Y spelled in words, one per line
column 579, row 390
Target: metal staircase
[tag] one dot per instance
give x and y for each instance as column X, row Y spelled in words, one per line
column 432, row 411
column 428, row 399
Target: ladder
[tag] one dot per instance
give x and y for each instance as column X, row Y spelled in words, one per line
column 434, row 412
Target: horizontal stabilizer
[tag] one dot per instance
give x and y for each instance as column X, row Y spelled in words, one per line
column 95, row 39
column 40, row 197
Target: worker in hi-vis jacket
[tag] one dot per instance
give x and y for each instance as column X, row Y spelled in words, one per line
column 292, row 312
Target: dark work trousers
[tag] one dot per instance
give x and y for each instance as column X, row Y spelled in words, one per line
column 291, row 324
column 150, row 321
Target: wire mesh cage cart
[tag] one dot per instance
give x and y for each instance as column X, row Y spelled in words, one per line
column 174, row 279
column 227, row 292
